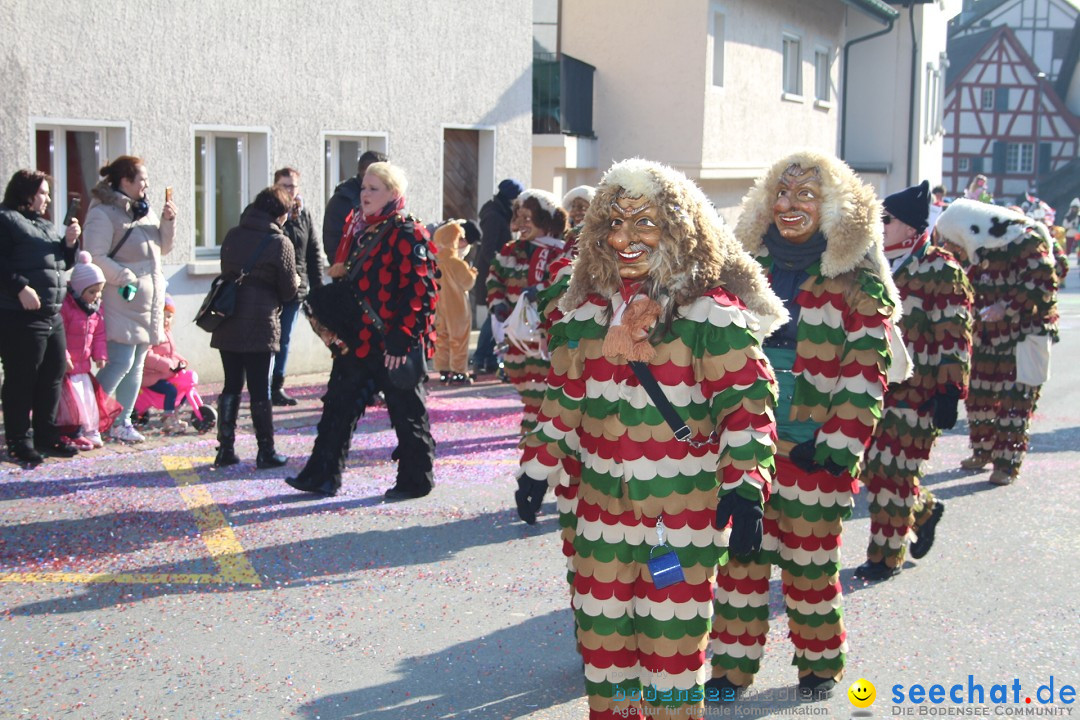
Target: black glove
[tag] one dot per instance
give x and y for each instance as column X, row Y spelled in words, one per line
column 500, row 311
column 745, row 516
column 530, row 293
column 945, row 408
column 802, row 457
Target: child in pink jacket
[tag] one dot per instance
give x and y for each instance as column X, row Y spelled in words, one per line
column 162, row 363
column 84, row 327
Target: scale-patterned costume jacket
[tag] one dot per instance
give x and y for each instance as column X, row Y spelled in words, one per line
column 1013, row 267
column 598, row 427
column 832, row 387
column 518, row 265
column 936, row 327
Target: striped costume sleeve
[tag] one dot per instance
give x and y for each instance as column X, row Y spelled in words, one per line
column 951, row 318
column 741, row 389
column 552, row 450
column 1032, row 294
column 855, row 403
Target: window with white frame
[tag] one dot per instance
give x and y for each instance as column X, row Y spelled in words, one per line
column 717, row 33
column 1019, row 157
column 986, row 99
column 72, row 153
column 963, row 164
column 231, row 167
column 341, row 152
column 822, row 75
column 792, row 65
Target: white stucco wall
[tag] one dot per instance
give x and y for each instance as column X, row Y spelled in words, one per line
column 405, row 69
column 748, row 121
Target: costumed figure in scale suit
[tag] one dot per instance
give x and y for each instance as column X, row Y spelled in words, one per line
column 936, row 326
column 1012, row 273
column 660, row 282
column 522, row 268
column 816, row 229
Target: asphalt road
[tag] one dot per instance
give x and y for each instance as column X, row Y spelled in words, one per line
column 139, row 583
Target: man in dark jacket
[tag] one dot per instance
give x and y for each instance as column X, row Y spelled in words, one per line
column 300, row 229
column 345, row 199
column 495, row 218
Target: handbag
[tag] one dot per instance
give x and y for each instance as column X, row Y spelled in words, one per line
column 333, row 310
column 522, row 329
column 220, row 301
column 1033, row 360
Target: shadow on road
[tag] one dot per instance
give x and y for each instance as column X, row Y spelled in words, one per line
column 509, row 673
column 342, row 557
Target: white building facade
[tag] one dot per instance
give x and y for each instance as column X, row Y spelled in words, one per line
column 215, row 96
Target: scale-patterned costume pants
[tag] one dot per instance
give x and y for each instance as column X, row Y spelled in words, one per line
column 529, row 377
column 643, row 647
column 895, row 462
column 803, row 522
column 999, row 409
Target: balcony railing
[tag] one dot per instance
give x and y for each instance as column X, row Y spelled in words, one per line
column 562, row 95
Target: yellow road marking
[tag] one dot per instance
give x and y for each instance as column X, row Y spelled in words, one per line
column 222, row 544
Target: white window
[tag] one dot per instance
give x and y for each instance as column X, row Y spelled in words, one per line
column 717, row 33
column 986, row 101
column 822, row 75
column 231, row 166
column 792, row 65
column 341, row 151
column 963, row 164
column 1019, row 158
column 72, row 153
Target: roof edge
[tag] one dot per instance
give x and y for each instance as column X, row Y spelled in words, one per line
column 877, row 9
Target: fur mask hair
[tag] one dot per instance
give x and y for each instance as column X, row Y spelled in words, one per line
column 850, row 218
column 630, row 338
column 697, row 252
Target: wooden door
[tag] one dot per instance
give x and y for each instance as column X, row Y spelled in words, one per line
column 461, row 153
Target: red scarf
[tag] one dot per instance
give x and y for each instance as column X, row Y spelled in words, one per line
column 356, row 224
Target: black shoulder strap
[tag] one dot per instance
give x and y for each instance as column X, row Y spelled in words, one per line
column 250, row 264
column 112, row 253
column 648, row 381
column 372, row 243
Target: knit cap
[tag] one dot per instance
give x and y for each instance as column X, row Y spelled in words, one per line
column 85, row 273
column 170, row 306
column 911, row 205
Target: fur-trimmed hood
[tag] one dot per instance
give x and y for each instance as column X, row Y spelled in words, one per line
column 850, row 218
column 697, row 252
column 104, row 193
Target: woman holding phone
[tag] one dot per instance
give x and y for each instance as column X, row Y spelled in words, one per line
column 127, row 240
column 33, row 257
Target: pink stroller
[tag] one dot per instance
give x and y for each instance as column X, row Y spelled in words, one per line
column 203, row 416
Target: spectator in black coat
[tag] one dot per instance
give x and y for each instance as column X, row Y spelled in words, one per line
column 33, row 347
column 495, row 232
column 248, row 339
column 346, row 198
column 300, row 229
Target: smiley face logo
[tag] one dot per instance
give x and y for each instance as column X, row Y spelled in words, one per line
column 862, row 693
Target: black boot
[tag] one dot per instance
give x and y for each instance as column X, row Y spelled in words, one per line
column 322, row 472
column 262, row 417
column 24, row 452
column 277, row 392
column 529, row 497
column 228, row 408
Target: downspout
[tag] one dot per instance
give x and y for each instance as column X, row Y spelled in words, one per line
column 911, row 101
column 843, row 109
